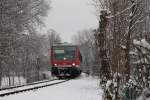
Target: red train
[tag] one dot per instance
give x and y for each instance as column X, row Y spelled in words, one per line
column 65, row 60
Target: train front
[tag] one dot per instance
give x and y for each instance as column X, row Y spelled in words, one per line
column 65, row 61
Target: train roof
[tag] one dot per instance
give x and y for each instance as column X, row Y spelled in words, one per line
column 64, row 44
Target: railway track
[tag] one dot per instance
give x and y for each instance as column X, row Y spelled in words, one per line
column 29, row 87
column 13, row 87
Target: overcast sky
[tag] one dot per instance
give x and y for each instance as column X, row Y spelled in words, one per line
column 67, row 17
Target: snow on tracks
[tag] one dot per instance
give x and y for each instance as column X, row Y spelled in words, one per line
column 81, row 88
column 29, row 87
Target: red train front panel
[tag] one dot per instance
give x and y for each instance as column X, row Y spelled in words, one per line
column 65, row 61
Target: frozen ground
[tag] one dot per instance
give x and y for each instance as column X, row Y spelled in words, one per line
column 83, row 88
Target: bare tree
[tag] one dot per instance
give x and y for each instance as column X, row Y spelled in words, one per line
column 18, row 18
column 54, row 37
column 85, row 40
column 126, row 20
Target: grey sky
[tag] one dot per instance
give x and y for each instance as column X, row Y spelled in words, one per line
column 67, row 17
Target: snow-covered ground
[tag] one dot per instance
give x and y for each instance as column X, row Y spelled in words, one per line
column 82, row 88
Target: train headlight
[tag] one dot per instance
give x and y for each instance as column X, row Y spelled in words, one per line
column 64, row 58
column 73, row 64
column 55, row 64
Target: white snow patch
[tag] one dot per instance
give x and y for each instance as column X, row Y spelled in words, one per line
column 133, row 53
column 142, row 43
column 83, row 88
column 143, row 60
column 123, row 47
column 109, row 82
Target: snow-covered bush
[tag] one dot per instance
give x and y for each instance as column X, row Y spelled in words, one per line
column 129, row 91
column 141, row 66
column 145, row 95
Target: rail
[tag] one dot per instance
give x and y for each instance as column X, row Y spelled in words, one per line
column 14, row 90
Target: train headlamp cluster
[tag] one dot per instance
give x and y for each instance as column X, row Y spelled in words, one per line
column 73, row 64
column 55, row 64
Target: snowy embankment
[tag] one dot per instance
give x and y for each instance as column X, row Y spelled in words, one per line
column 82, row 88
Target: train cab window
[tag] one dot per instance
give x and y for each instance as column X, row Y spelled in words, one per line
column 64, row 53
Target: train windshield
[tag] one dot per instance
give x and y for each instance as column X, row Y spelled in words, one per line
column 64, row 53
